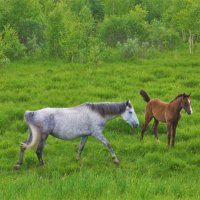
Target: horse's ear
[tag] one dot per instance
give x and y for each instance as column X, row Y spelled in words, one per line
column 184, row 95
column 189, row 94
column 128, row 103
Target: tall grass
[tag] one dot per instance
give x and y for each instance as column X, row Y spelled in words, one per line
column 148, row 169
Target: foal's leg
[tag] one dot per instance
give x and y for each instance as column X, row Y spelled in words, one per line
column 173, row 133
column 22, row 150
column 144, row 126
column 102, row 139
column 40, row 148
column 81, row 147
column 169, row 130
column 155, row 128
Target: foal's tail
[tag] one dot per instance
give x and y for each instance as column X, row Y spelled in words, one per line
column 35, row 135
column 145, row 95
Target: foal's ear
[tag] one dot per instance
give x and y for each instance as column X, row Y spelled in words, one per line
column 189, row 94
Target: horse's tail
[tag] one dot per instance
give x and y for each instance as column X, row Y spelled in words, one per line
column 145, row 95
column 35, row 135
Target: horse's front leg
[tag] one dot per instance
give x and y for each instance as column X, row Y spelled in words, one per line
column 102, row 139
column 169, row 133
column 173, row 133
column 81, row 147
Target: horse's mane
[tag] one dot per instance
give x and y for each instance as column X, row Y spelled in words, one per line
column 107, row 108
column 180, row 95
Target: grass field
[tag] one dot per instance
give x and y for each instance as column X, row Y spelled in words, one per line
column 148, row 169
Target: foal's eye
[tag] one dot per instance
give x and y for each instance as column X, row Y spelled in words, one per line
column 130, row 112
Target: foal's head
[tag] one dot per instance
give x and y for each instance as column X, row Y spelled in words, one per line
column 186, row 104
column 129, row 115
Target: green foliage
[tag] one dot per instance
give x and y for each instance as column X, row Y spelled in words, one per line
column 97, row 9
column 118, row 29
column 155, row 8
column 118, row 7
column 25, row 17
column 65, row 29
column 11, row 46
column 131, row 48
column 113, row 30
column 184, row 16
column 162, row 37
column 136, row 25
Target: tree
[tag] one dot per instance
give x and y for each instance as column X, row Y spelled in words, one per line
column 25, row 17
column 184, row 16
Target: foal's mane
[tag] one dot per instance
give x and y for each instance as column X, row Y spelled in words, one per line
column 107, row 108
column 180, row 95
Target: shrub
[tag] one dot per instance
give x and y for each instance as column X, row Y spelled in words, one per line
column 113, row 30
column 162, row 37
column 118, row 29
column 131, row 48
column 11, row 46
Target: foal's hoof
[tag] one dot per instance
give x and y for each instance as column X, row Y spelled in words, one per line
column 17, row 166
column 115, row 160
column 41, row 163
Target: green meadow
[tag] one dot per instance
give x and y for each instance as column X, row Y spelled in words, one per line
column 147, row 170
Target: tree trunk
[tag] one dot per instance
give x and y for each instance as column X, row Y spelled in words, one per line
column 183, row 36
column 191, row 42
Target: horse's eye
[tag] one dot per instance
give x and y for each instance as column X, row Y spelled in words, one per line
column 130, row 112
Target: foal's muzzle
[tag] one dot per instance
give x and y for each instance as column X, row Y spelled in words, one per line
column 189, row 112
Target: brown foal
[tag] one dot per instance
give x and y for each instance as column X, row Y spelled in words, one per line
column 165, row 112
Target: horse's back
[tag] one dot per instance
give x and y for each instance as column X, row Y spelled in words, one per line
column 158, row 109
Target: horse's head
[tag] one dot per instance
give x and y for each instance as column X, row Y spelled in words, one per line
column 186, row 104
column 129, row 115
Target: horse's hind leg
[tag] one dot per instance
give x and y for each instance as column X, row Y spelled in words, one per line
column 81, row 147
column 40, row 148
column 102, row 139
column 21, row 155
column 155, row 128
column 144, row 126
column 22, row 150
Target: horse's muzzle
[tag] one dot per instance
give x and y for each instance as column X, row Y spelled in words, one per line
column 135, row 125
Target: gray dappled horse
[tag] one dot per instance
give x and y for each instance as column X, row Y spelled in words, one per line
column 68, row 123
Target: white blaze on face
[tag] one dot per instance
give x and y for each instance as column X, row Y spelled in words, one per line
column 190, row 105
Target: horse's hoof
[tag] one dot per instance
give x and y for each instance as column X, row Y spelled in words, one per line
column 17, row 166
column 78, row 158
column 116, row 161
